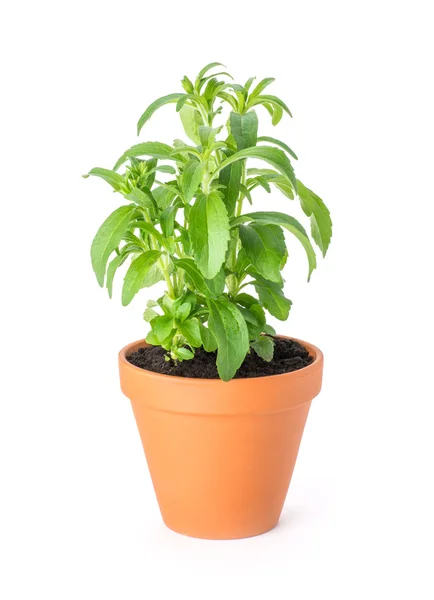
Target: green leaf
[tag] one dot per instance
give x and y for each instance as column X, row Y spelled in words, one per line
column 167, row 220
column 262, row 181
column 229, row 99
column 264, row 347
column 248, row 83
column 214, row 75
column 182, row 100
column 142, row 198
column 171, row 98
column 245, row 192
column 191, row 121
column 207, row 135
column 320, row 221
column 241, row 94
column 272, row 298
column 237, row 88
column 277, row 115
column 229, row 328
column 275, row 112
column 216, row 285
column 111, row 270
column 245, row 300
column 151, row 338
column 191, row 178
column 261, row 86
column 244, row 128
column 183, row 354
column 151, row 169
column 136, row 274
column 275, row 157
column 276, row 179
column 108, row 237
column 205, row 70
column 164, row 196
column 287, row 222
column 154, row 149
column 133, row 240
column 149, row 314
column 265, row 247
column 200, row 283
column 259, row 313
column 162, row 326
column 242, row 263
column 208, row 340
column 186, row 298
column 218, row 146
column 266, row 138
column 255, row 319
column 114, row 179
column 166, row 302
column 191, row 331
column 182, row 311
column 231, row 178
column 209, row 233
column 273, row 100
column 153, row 276
column 166, row 169
column 249, row 317
column 213, row 86
column 187, row 84
column 269, row 330
column 148, row 228
column 184, row 152
column 167, row 343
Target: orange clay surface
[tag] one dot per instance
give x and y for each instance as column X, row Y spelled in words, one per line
column 221, row 455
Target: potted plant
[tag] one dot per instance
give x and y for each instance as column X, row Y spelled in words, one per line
column 220, row 401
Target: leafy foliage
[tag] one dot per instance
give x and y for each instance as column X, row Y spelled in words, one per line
column 183, row 222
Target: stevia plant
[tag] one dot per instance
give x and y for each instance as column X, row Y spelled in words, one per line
column 183, row 222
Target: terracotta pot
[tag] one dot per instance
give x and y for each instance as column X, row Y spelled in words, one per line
column 221, row 455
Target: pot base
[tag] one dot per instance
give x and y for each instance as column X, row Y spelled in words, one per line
column 220, row 535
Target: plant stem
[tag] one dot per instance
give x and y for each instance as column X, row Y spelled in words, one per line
column 244, row 285
column 167, row 279
column 206, row 182
column 232, row 281
column 241, row 197
column 161, row 264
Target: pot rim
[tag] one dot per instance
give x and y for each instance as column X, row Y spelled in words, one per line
column 304, row 372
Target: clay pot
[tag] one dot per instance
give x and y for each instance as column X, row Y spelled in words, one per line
column 221, row 455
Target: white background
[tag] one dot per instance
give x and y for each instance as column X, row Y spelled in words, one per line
column 78, row 515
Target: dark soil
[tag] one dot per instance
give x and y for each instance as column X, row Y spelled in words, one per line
column 288, row 356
